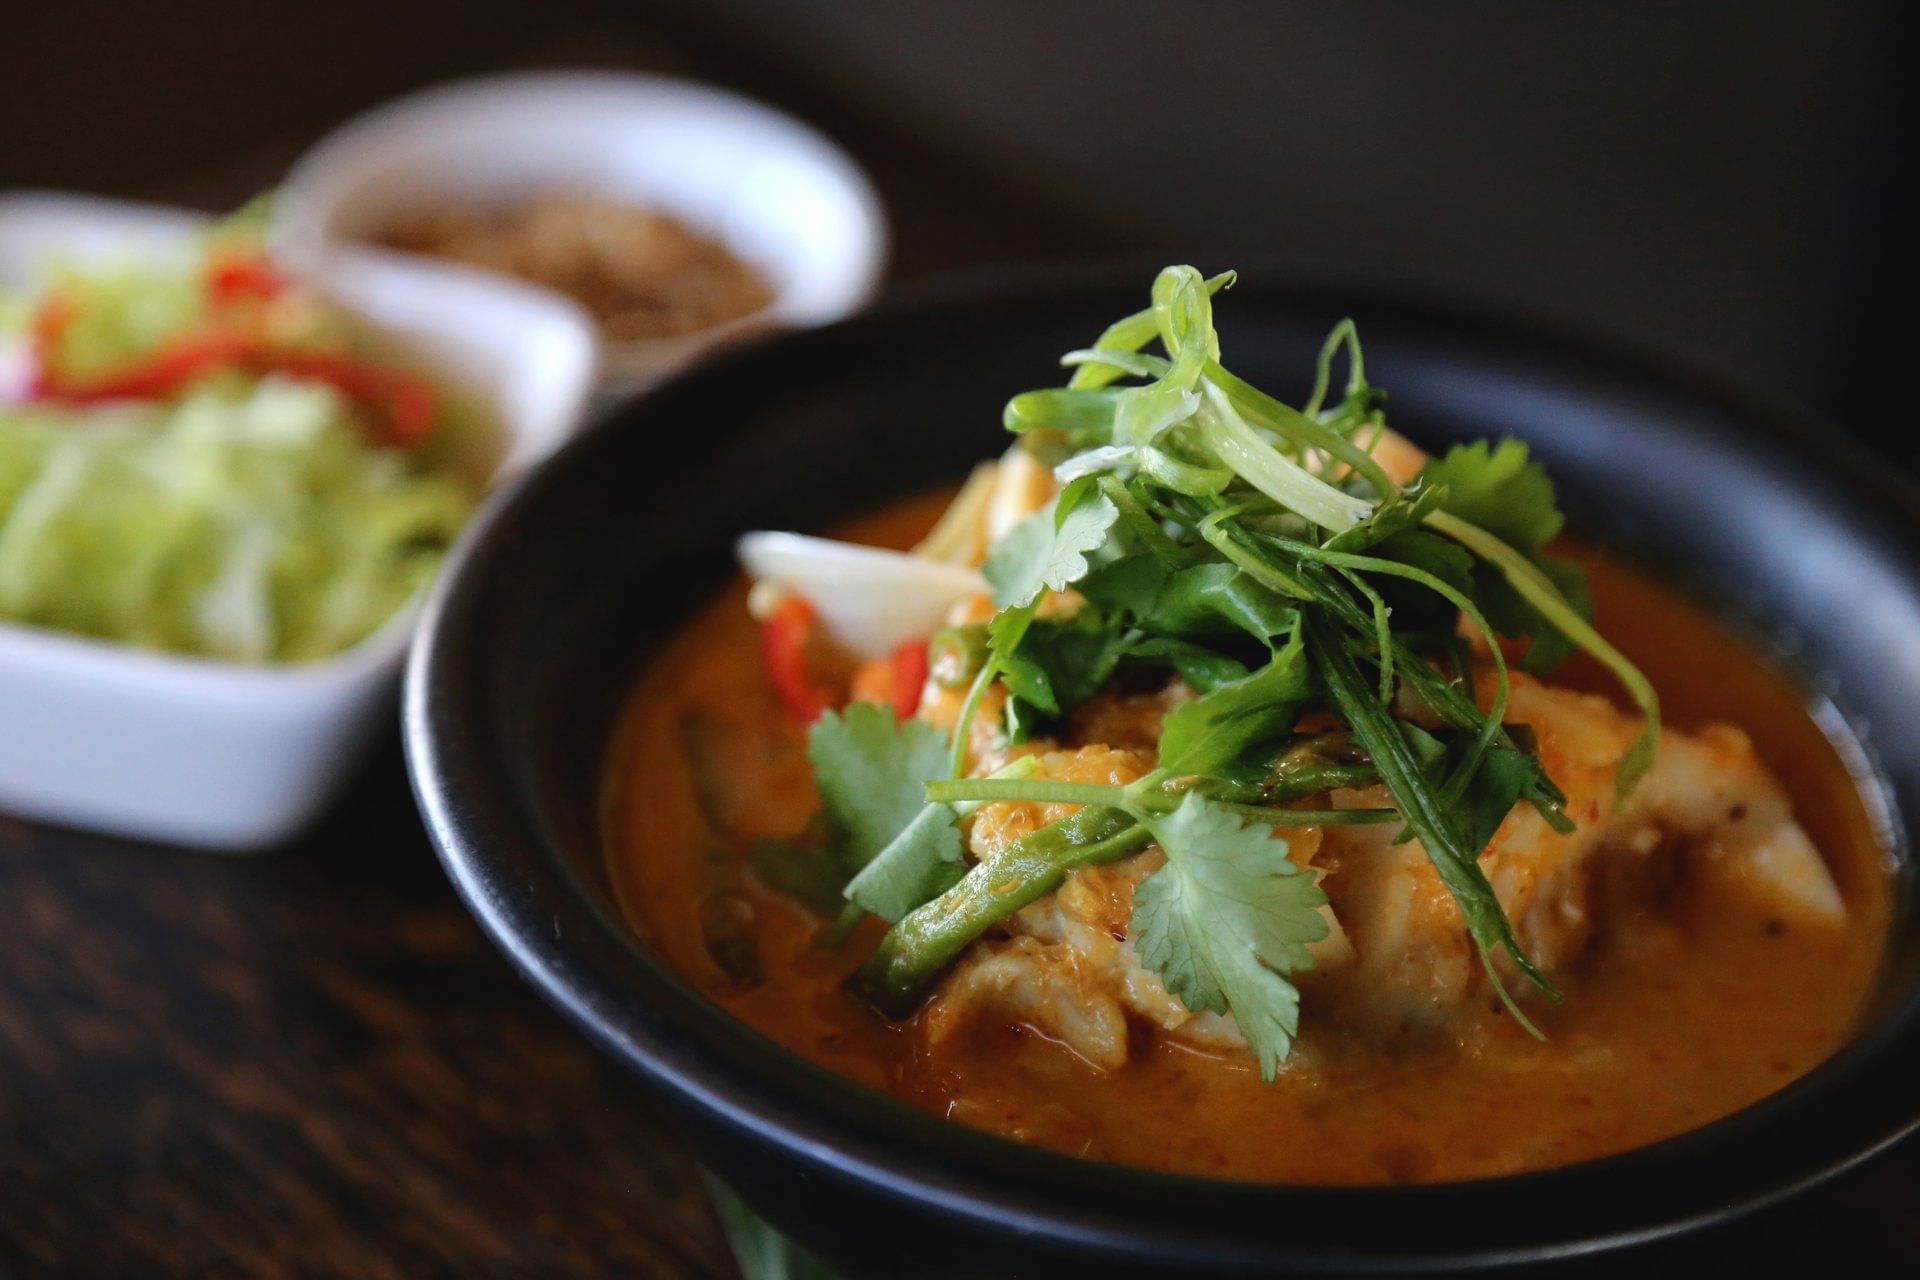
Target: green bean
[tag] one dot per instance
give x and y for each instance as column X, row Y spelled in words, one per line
column 956, row 654
column 918, row 948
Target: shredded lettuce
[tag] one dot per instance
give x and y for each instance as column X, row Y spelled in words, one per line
column 250, row 520
column 261, row 505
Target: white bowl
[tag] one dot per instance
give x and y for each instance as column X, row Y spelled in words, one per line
column 224, row 755
column 776, row 193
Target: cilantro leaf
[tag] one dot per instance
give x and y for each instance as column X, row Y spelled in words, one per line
column 1426, row 550
column 918, row 865
column 1500, row 488
column 1027, row 680
column 1503, row 490
column 1061, row 662
column 1220, row 729
column 1203, row 668
column 1495, row 788
column 1049, row 549
column 1415, row 606
column 1510, row 613
column 1128, row 585
column 1226, row 920
column 871, row 773
column 1212, row 599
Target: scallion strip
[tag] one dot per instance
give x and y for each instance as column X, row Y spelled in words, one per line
column 1271, row 472
column 1427, row 814
column 1535, row 588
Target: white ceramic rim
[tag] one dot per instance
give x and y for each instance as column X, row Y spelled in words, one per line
column 319, row 182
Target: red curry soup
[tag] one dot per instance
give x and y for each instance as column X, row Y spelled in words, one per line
column 1229, row 788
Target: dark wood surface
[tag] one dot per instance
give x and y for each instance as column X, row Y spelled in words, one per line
column 310, row 1063
column 305, row 1063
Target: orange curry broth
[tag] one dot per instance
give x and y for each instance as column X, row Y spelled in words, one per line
column 1677, row 1020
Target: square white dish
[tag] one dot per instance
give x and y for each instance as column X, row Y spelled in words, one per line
column 224, row 755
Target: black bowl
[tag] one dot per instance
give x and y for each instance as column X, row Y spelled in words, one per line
column 569, row 585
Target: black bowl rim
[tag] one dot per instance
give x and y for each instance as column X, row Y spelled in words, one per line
column 493, row 878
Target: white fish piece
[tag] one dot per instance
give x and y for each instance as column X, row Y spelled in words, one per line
column 1043, row 986
column 870, row 599
column 1397, row 958
column 1709, row 801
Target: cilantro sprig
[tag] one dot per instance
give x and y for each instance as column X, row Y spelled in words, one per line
column 1227, row 919
column 1263, row 554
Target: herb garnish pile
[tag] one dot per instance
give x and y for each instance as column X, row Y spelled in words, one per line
column 1263, row 555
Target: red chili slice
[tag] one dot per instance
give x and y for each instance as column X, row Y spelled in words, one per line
column 178, row 361
column 405, row 404
column 907, row 669
column 784, row 638
column 239, row 276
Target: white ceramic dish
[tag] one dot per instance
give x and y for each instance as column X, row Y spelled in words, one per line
column 778, row 194
column 223, row 755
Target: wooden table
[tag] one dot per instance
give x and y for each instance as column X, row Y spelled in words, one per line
column 311, row 1063
column 305, row 1063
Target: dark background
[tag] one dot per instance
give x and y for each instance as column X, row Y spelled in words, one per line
column 1714, row 179
column 312, row 1064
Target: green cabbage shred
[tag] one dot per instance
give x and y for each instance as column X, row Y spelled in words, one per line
column 249, row 518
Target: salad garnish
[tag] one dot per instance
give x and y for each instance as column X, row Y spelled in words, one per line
column 205, row 457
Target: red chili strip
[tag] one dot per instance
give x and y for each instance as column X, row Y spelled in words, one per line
column 784, row 638
column 178, row 361
column 239, row 276
column 907, row 670
column 404, row 403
